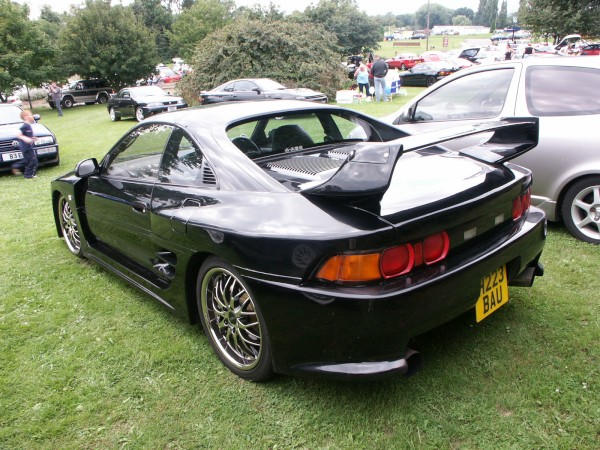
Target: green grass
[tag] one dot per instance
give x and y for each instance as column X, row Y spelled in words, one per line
column 86, row 361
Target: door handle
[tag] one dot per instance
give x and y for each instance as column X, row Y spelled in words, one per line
column 140, row 207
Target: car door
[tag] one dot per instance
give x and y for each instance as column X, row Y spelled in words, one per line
column 125, row 103
column 476, row 96
column 247, row 90
column 118, row 200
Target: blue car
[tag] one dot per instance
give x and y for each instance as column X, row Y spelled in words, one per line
column 46, row 146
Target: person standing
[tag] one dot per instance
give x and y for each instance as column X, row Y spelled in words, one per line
column 56, row 93
column 29, row 164
column 362, row 78
column 379, row 70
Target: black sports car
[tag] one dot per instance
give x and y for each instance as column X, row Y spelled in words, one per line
column 427, row 73
column 307, row 238
column 46, row 146
column 258, row 89
column 141, row 102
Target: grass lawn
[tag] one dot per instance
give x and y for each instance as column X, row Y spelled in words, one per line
column 86, row 361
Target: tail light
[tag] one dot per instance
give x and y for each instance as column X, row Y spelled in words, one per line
column 521, row 204
column 389, row 263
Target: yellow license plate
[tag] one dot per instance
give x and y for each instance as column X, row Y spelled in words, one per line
column 493, row 293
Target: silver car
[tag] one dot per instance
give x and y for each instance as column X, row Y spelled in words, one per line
column 563, row 93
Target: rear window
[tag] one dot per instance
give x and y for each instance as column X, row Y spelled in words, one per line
column 562, row 91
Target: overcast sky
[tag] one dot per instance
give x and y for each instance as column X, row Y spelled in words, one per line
column 371, row 7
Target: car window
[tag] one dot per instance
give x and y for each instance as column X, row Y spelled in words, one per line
column 478, row 95
column 553, row 91
column 244, row 86
column 138, row 155
column 182, row 162
column 295, row 132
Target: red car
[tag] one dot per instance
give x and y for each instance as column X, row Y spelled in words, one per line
column 404, row 62
column 591, row 49
column 169, row 76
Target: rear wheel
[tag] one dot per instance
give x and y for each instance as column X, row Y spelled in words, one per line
column 429, row 81
column 113, row 115
column 68, row 225
column 232, row 321
column 403, row 66
column 581, row 210
column 102, row 99
column 139, row 114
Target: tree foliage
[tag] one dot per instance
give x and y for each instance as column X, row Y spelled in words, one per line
column 284, row 51
column 467, row 12
column 26, row 52
column 558, row 18
column 438, row 15
column 158, row 19
column 197, row 22
column 104, row 41
column 355, row 30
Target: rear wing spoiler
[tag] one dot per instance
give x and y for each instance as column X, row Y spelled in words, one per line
column 367, row 173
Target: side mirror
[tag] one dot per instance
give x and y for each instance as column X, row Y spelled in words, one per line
column 257, row 90
column 87, row 167
column 36, row 117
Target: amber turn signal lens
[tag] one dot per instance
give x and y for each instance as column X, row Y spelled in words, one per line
column 351, row 268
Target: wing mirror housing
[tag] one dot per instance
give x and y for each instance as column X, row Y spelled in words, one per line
column 87, row 167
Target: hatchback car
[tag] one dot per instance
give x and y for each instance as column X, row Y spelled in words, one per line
column 308, row 238
column 258, row 89
column 566, row 162
column 45, row 145
column 404, row 61
column 142, row 101
column 590, row 50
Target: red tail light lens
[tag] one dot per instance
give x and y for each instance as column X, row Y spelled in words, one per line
column 397, row 260
column 435, row 247
column 521, row 205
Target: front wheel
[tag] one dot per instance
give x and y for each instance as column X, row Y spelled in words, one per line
column 232, row 321
column 139, row 114
column 581, row 210
column 113, row 115
column 403, row 66
column 67, row 102
column 68, row 226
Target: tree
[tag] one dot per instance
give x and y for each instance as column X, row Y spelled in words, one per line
column 461, row 21
column 26, row 52
column 104, row 41
column 467, row 12
column 438, row 15
column 355, row 30
column 195, row 23
column 289, row 52
column 558, row 18
column 158, row 19
column 502, row 21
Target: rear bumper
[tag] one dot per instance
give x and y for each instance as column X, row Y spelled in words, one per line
column 364, row 332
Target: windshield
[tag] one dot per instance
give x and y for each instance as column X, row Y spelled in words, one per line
column 10, row 114
column 269, row 85
column 148, row 91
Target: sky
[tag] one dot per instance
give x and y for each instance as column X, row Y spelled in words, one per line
column 371, row 7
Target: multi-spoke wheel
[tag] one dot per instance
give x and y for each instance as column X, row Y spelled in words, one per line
column 68, row 226
column 113, row 114
column 232, row 321
column 581, row 210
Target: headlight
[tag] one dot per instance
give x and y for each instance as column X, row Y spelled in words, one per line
column 154, row 105
column 44, row 140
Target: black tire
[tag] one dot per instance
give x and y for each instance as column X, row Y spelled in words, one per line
column 403, row 66
column 139, row 114
column 232, row 321
column 68, row 226
column 580, row 209
column 430, row 81
column 67, row 102
column 113, row 115
column 102, row 99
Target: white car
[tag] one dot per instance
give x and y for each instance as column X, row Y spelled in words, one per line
column 562, row 92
